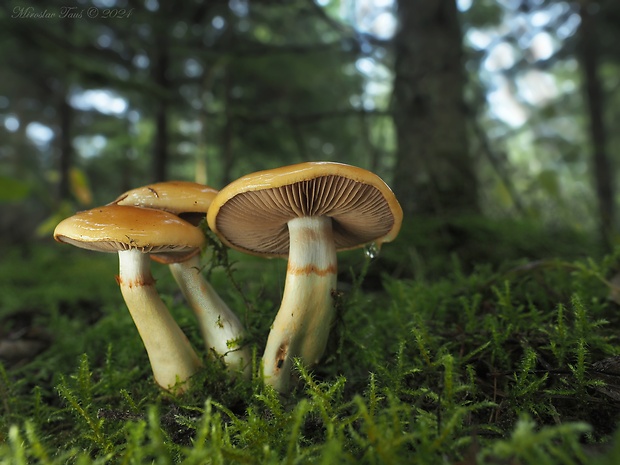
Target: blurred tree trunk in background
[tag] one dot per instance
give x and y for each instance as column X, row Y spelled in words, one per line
column 160, row 149
column 65, row 120
column 65, row 147
column 434, row 171
column 227, row 152
column 589, row 46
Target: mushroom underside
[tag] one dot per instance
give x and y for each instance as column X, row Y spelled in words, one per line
column 359, row 212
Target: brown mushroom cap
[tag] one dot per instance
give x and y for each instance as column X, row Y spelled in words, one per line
column 178, row 197
column 114, row 227
column 251, row 213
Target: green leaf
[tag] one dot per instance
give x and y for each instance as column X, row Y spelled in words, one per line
column 549, row 183
column 80, row 186
column 46, row 228
column 13, row 190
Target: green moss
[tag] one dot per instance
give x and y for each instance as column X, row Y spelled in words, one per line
column 510, row 362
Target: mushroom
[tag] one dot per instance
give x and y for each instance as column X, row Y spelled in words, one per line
column 189, row 200
column 307, row 211
column 134, row 233
column 221, row 330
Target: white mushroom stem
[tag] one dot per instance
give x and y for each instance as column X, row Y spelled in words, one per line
column 221, row 330
column 302, row 324
column 171, row 355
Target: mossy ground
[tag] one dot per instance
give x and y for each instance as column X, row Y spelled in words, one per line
column 504, row 349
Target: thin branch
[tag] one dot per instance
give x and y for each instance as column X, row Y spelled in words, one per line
column 493, row 158
column 307, row 118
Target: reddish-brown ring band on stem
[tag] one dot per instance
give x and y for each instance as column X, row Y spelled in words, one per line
column 222, row 332
column 307, row 212
column 134, row 233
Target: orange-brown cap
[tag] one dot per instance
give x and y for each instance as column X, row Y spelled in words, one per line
column 251, row 213
column 173, row 196
column 115, row 227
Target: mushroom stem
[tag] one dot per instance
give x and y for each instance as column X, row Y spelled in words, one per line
column 302, row 324
column 220, row 328
column 171, row 355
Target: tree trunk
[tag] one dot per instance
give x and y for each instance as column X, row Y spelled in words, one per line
column 435, row 173
column 593, row 95
column 160, row 148
column 228, row 154
column 65, row 148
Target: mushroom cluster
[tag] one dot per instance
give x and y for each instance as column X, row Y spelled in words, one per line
column 304, row 212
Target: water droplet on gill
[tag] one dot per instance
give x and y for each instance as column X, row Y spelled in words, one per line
column 372, row 250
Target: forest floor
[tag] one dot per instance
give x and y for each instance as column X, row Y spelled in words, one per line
column 444, row 350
